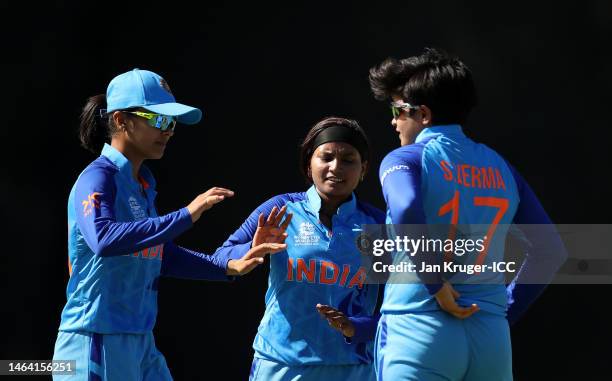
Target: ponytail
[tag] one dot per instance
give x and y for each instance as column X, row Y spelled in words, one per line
column 95, row 129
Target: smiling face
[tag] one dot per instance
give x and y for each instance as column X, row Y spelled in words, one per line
column 335, row 169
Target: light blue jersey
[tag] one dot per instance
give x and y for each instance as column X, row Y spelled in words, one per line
column 454, row 181
column 118, row 247
column 446, row 179
column 319, row 266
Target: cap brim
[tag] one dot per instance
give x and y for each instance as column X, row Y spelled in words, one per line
column 183, row 113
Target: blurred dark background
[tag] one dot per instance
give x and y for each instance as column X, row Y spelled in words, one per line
column 263, row 75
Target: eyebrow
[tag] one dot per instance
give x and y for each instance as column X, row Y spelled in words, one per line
column 343, row 152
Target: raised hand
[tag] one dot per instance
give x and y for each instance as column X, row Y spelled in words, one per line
column 206, row 200
column 446, row 297
column 253, row 258
column 270, row 230
column 337, row 319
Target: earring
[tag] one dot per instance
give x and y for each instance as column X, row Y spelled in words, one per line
column 362, row 176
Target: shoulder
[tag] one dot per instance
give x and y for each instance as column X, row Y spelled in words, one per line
column 281, row 200
column 407, row 154
column 99, row 173
column 406, row 158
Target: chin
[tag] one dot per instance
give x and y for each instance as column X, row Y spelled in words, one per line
column 336, row 191
column 156, row 155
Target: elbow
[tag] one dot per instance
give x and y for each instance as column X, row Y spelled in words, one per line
column 400, row 214
column 104, row 240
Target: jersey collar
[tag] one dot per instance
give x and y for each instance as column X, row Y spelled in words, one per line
column 445, row 130
column 125, row 167
column 344, row 210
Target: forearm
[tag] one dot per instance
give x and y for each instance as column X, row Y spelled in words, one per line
column 112, row 238
column 365, row 328
column 179, row 262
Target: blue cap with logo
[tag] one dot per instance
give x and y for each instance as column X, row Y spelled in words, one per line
column 143, row 88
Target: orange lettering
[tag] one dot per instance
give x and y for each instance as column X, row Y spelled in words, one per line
column 487, row 181
column 289, row 269
column 358, row 278
column 475, row 176
column 500, row 180
column 448, row 175
column 308, row 271
column 465, row 175
column 323, row 279
column 346, row 269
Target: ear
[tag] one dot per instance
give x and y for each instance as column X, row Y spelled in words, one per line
column 121, row 120
column 425, row 115
column 364, row 169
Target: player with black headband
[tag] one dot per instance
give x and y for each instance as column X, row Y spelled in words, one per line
column 320, row 272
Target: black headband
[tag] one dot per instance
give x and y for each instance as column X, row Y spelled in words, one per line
column 344, row 134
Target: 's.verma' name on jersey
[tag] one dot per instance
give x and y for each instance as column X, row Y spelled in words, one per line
column 473, row 176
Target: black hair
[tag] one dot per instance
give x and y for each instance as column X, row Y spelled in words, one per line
column 95, row 129
column 307, row 147
column 434, row 79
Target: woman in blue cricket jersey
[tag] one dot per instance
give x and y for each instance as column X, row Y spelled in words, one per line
column 118, row 246
column 453, row 325
column 318, row 281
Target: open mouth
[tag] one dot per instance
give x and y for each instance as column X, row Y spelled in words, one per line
column 335, row 180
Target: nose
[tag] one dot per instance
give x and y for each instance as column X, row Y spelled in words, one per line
column 168, row 133
column 333, row 165
column 394, row 122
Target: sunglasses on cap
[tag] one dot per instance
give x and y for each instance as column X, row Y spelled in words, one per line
column 163, row 122
column 398, row 107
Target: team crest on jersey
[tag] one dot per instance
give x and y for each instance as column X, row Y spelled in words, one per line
column 306, row 235
column 91, row 203
column 137, row 210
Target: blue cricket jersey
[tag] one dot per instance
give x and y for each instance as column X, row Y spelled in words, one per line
column 319, row 266
column 444, row 178
column 118, row 247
